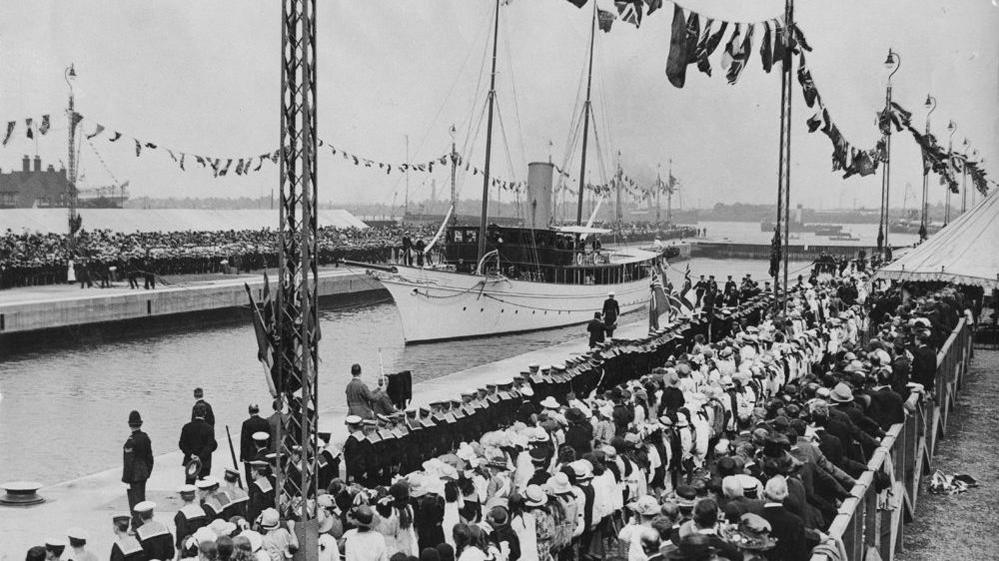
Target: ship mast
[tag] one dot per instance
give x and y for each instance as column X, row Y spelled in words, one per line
column 586, row 121
column 489, row 141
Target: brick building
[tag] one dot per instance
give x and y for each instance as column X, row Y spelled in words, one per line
column 33, row 186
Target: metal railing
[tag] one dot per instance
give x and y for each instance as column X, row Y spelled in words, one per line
column 873, row 519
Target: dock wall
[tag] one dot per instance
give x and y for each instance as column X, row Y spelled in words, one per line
column 96, row 307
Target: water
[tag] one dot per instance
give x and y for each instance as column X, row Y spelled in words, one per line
column 749, row 232
column 63, row 411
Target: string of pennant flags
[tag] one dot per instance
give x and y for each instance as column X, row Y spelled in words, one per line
column 224, row 166
column 692, row 43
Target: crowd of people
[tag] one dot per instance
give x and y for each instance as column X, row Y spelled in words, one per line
column 734, row 437
column 99, row 257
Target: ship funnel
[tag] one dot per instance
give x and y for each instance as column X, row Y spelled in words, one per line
column 539, row 194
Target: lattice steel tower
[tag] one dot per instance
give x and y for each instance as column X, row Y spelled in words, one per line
column 297, row 325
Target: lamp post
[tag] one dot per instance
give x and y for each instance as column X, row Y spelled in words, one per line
column 69, row 75
column 893, row 62
column 931, row 104
column 964, row 176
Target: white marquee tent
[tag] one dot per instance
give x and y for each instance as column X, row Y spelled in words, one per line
column 965, row 252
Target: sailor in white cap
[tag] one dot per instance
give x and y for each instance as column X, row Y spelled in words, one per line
column 190, row 517
column 238, row 498
column 78, row 545
column 126, row 547
column 152, row 534
column 213, row 501
column 53, row 548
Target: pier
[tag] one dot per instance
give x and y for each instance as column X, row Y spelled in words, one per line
column 717, row 249
column 33, row 309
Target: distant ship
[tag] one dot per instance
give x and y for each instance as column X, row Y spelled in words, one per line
column 797, row 227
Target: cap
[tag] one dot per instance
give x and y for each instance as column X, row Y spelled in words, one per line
column 53, row 541
column 206, row 484
column 231, row 475
column 187, row 489
column 352, row 420
column 121, row 518
column 76, row 534
column 145, row 506
column 261, row 435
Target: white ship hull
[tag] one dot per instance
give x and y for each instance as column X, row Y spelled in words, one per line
column 437, row 305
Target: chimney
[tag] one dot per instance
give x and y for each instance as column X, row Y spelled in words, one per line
column 26, row 164
column 38, row 163
column 539, row 194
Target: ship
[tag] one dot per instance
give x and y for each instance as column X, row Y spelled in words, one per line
column 495, row 279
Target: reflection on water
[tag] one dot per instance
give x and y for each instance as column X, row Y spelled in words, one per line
column 63, row 412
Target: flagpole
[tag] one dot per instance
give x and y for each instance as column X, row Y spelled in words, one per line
column 70, row 73
column 586, row 120
column 489, row 140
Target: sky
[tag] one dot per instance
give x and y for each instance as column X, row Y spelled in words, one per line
column 205, row 78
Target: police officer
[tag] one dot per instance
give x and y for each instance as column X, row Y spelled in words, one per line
column 153, row 535
column 137, row 463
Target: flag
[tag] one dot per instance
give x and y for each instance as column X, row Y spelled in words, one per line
column 225, row 170
column 239, row 167
column 807, row 84
column 659, row 303
column 630, row 11
column 44, row 127
column 779, row 47
column 653, row 6
column 814, row 122
column 605, row 20
column 200, row 160
column 676, row 60
column 115, row 138
column 766, row 48
column 181, row 163
column 151, row 146
column 172, row 155
column 260, row 163
column 708, row 45
column 265, row 349
column 97, row 130
column 30, row 133
column 740, row 56
column 799, row 38
column 578, row 3
column 138, row 148
column 10, row 131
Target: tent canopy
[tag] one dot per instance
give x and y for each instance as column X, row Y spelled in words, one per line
column 965, row 252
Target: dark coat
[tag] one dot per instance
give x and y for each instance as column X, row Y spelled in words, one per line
column 247, row 448
column 924, row 366
column 886, row 407
column 611, row 311
column 137, row 461
column 580, row 438
column 596, row 330
column 209, row 414
column 790, row 533
column 197, row 438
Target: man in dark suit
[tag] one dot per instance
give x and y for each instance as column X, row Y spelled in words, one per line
column 199, row 398
column 247, row 448
column 596, row 330
column 137, row 465
column 611, row 311
column 886, row 406
column 924, row 363
column 706, row 522
column 786, row 527
column 197, row 438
